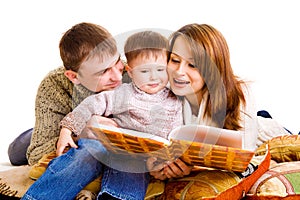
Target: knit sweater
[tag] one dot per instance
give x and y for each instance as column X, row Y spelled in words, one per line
column 131, row 108
column 56, row 97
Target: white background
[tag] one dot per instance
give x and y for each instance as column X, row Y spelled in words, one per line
column 263, row 37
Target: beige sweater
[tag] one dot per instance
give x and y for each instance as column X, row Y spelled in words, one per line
column 56, row 97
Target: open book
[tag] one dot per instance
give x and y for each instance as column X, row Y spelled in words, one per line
column 195, row 144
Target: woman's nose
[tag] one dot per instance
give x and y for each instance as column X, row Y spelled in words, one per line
column 180, row 68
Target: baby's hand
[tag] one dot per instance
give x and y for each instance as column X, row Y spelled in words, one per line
column 65, row 140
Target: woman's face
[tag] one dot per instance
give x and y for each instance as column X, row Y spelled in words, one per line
column 184, row 77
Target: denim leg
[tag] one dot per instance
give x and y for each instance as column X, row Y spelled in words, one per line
column 69, row 173
column 18, row 148
column 123, row 183
column 264, row 113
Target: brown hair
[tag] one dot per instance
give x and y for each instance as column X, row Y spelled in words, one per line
column 145, row 43
column 85, row 40
column 212, row 58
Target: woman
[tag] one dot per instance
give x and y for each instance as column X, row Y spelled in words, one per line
column 200, row 72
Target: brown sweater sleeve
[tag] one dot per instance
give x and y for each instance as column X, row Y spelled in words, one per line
column 53, row 102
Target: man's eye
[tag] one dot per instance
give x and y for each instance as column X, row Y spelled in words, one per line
column 101, row 72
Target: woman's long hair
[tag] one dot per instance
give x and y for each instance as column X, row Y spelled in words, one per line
column 212, row 59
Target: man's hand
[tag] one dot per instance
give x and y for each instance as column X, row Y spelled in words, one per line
column 65, row 140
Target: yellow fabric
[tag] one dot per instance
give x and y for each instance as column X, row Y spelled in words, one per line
column 201, row 184
column 39, row 168
column 155, row 188
column 282, row 148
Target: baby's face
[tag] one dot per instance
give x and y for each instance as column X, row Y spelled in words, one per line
column 149, row 73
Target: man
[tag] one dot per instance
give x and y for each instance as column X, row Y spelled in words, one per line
column 91, row 64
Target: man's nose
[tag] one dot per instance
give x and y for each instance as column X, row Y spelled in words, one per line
column 116, row 74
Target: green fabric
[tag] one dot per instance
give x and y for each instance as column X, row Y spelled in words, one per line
column 294, row 179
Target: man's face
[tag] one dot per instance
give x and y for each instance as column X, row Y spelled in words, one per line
column 100, row 76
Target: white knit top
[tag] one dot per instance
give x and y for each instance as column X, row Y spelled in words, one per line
column 131, row 108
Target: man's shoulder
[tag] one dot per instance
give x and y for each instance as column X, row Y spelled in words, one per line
column 56, row 76
column 58, row 72
column 56, row 79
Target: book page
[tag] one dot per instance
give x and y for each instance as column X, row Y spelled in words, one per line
column 135, row 143
column 130, row 132
column 208, row 135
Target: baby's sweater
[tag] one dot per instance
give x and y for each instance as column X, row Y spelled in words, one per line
column 131, row 108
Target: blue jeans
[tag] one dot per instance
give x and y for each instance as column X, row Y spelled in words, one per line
column 17, row 149
column 69, row 173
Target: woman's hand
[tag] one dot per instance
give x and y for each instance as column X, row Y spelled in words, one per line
column 156, row 170
column 65, row 140
column 163, row 171
column 177, row 169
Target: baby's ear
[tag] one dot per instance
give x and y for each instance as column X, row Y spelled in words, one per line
column 72, row 76
column 128, row 69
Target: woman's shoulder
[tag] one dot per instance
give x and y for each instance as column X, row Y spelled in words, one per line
column 246, row 86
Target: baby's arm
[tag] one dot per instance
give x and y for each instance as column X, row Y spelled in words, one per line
column 77, row 120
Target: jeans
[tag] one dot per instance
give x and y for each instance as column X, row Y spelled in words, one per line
column 69, row 173
column 18, row 148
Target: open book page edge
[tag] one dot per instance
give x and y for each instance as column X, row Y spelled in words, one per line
column 131, row 133
column 208, row 135
column 192, row 152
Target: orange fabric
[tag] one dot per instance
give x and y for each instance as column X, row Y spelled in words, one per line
column 240, row 190
column 209, row 188
column 290, row 197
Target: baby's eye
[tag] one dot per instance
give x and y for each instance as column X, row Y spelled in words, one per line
column 161, row 70
column 144, row 71
column 175, row 60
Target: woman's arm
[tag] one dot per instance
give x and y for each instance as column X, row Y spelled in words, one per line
column 249, row 120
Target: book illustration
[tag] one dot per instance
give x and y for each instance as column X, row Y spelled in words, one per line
column 195, row 144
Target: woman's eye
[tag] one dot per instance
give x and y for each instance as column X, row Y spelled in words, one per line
column 191, row 65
